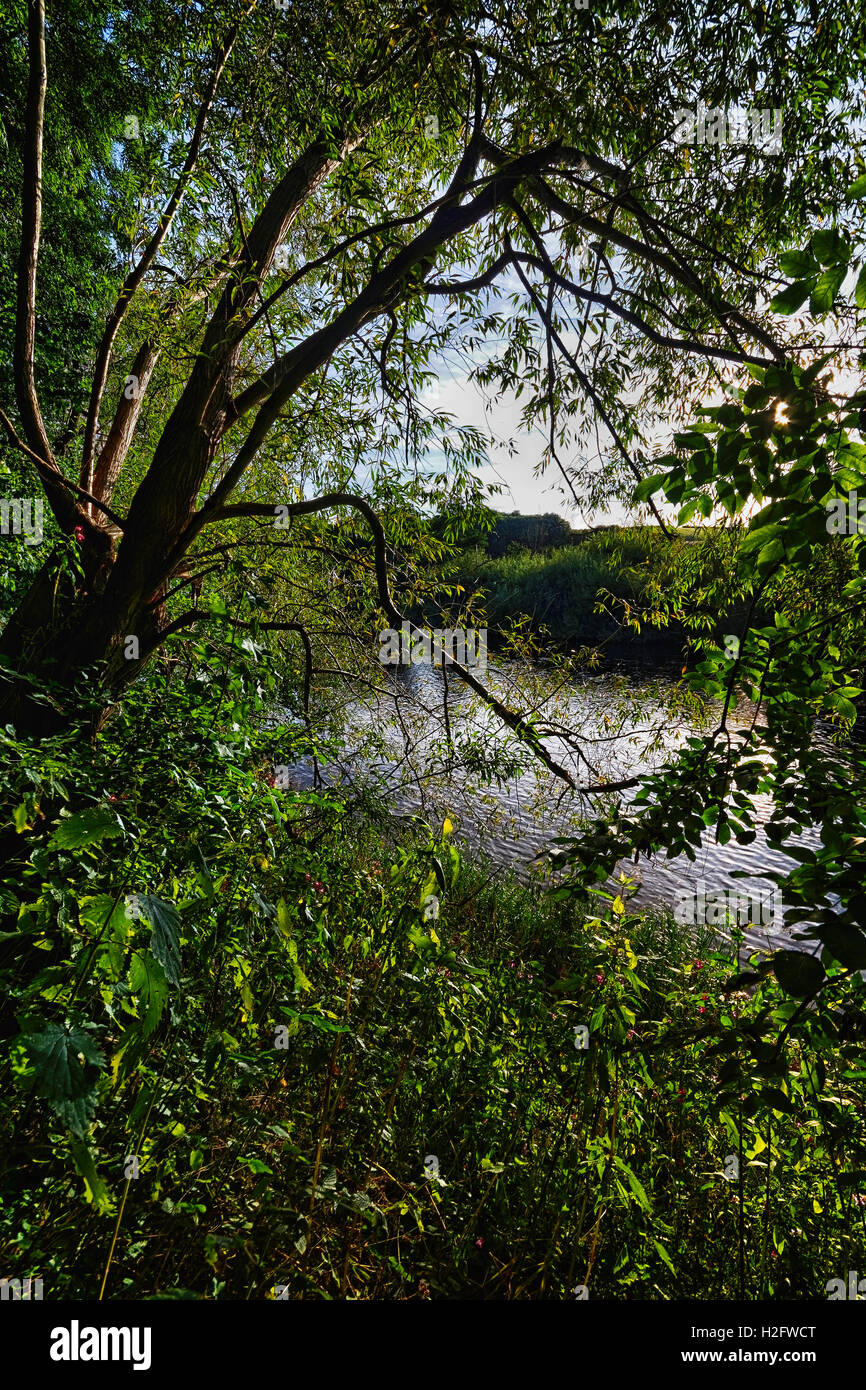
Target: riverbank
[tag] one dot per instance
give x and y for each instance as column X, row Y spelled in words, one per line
column 356, row 1065
column 592, row 592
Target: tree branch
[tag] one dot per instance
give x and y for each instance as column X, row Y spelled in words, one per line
column 135, row 277
column 524, row 730
column 54, row 476
column 31, row 224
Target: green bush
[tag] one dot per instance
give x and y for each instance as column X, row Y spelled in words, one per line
column 282, row 1029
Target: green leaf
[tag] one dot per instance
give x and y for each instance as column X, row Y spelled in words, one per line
column 663, row 1254
column 691, row 439
column 67, row 1062
column 102, row 910
column 648, row 486
column 256, row 1165
column 96, row 823
column 858, row 188
column 301, row 981
column 797, row 264
column 759, row 537
column 164, row 917
column 826, row 290
column 147, row 980
column 847, row 944
column 635, row 1184
column 771, row 554
column 828, row 245
column 860, row 289
column 798, row 974
column 284, row 920
column 837, row 703
column 109, row 923
column 788, row 301
column 95, row 1191
column 203, row 875
column 776, row 1100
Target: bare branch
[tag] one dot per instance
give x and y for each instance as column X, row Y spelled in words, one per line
column 594, row 297
column 592, row 393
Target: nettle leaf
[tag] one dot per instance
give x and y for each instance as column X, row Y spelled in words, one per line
column 86, row 828
column 67, row 1062
column 103, row 910
column 109, row 923
column 164, row 917
column 798, row 973
column 147, row 980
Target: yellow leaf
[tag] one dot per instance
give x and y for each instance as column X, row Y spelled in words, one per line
column 618, row 906
column 447, row 827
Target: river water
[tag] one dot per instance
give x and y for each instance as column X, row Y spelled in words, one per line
column 503, row 801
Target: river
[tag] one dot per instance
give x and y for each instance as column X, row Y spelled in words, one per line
column 504, row 802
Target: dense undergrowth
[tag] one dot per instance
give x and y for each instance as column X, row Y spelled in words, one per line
column 257, row 1040
column 608, row 588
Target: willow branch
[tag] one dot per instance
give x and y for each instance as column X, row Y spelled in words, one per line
column 151, row 251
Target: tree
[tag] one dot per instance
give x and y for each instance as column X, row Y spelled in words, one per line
column 323, row 235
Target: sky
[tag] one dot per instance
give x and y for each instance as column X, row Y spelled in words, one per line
column 513, row 468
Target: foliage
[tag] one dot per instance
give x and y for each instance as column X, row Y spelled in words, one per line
column 776, row 457
column 255, row 1033
column 560, row 590
column 328, row 1031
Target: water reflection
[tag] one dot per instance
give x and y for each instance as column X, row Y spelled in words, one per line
column 602, row 728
